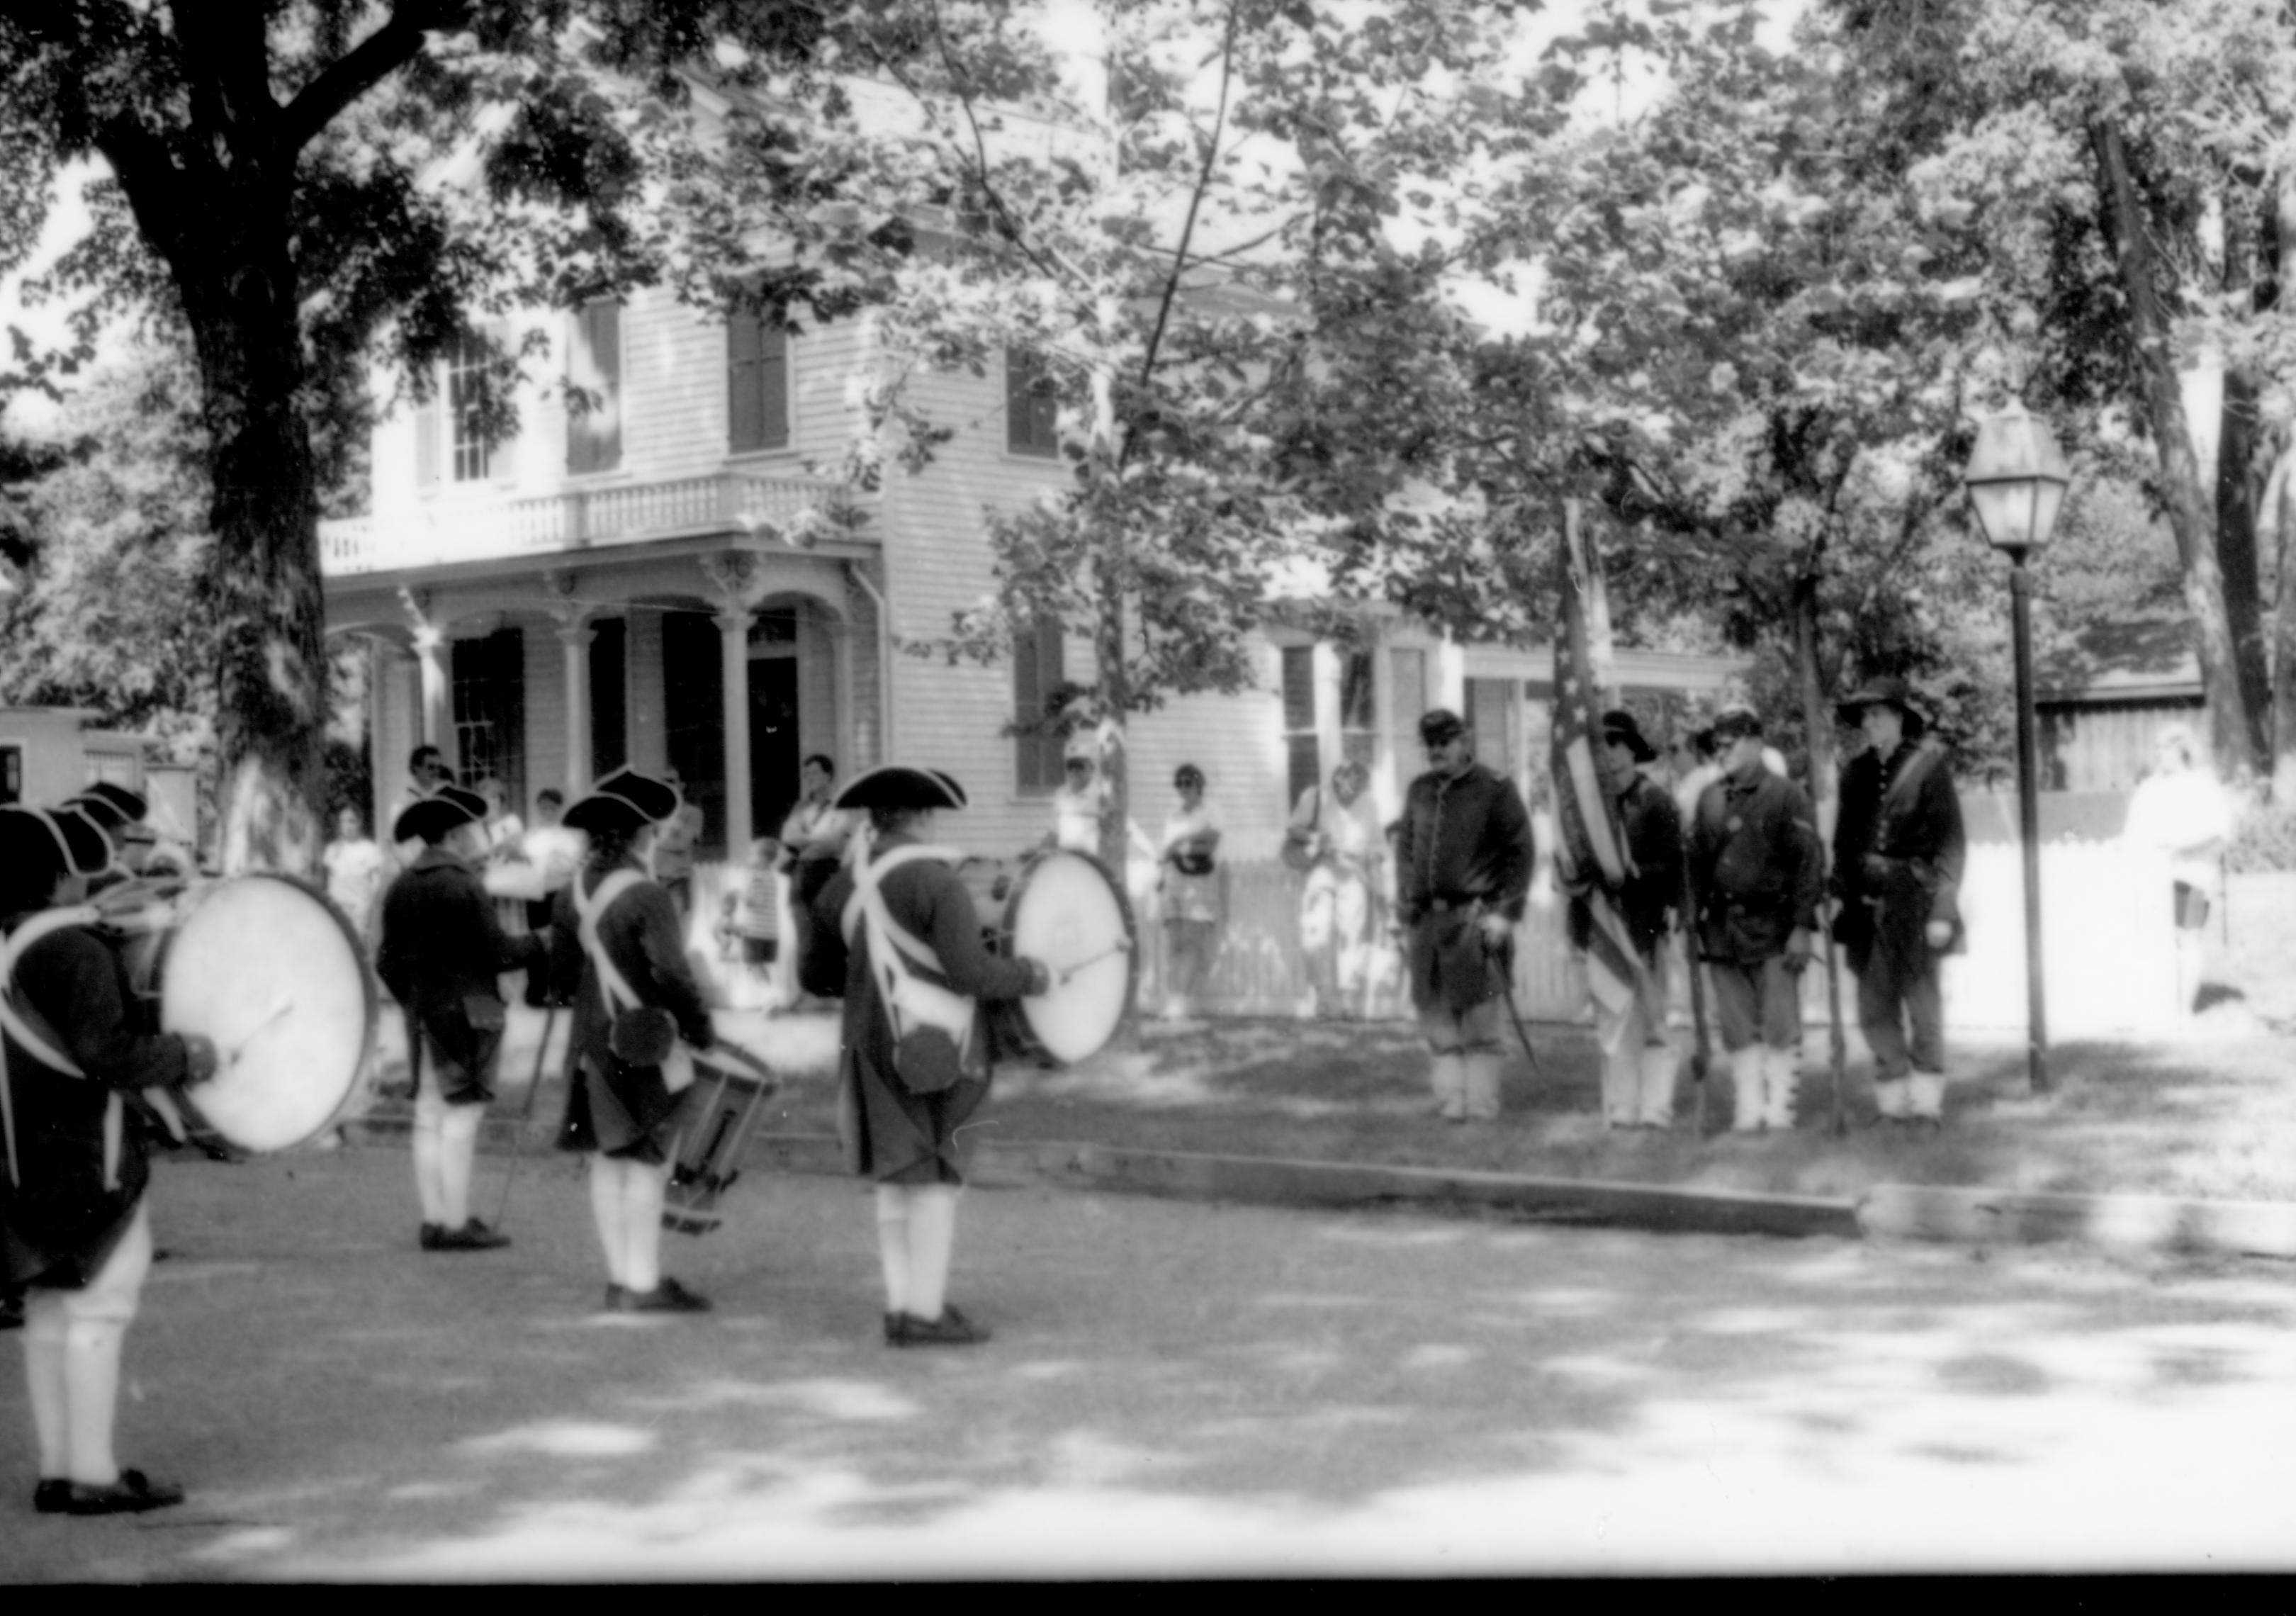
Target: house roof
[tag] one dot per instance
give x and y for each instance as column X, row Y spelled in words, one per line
column 2122, row 661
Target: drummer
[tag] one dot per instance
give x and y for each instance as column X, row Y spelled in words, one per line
column 441, row 953
column 74, row 1226
column 619, row 929
column 898, row 919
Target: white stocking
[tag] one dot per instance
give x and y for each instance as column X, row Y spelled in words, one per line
column 92, row 1350
column 457, row 1155
column 429, row 1151
column 932, row 1237
column 644, row 1189
column 606, row 1209
column 893, row 1245
column 43, row 1377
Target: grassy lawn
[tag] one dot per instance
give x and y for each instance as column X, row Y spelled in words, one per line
column 2209, row 1112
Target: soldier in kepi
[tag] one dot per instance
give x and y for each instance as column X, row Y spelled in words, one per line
column 1756, row 874
column 1898, row 856
column 1462, row 871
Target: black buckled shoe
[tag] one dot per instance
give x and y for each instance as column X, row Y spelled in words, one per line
column 897, row 1329
column 668, row 1297
column 431, row 1234
column 11, row 1309
column 52, row 1495
column 951, row 1329
column 614, row 1294
column 472, row 1236
column 134, row 1493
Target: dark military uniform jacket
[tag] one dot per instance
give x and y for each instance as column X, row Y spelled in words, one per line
column 1899, row 849
column 441, row 953
column 80, row 1166
column 1464, row 848
column 1652, row 828
column 1756, row 866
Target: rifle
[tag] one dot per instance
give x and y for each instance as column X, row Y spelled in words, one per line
column 1702, row 1046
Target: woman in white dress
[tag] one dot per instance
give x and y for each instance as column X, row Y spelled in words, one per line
column 1191, row 893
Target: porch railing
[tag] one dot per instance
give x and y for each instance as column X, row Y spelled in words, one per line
column 450, row 529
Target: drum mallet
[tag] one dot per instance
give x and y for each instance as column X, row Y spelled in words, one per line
column 526, row 1112
column 1122, row 945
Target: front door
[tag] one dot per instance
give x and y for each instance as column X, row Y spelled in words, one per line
column 774, row 755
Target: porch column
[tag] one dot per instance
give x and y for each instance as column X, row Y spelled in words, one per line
column 575, row 636
column 733, row 643
column 436, row 719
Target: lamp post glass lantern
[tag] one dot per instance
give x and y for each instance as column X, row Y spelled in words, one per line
column 2017, row 478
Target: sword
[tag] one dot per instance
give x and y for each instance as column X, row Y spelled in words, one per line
column 526, row 1112
column 1500, row 957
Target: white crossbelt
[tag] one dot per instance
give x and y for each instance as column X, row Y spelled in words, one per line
column 678, row 1072
column 910, row 1001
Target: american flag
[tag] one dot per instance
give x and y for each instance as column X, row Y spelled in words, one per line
column 1591, row 858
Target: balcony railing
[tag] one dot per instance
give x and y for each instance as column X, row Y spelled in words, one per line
column 459, row 529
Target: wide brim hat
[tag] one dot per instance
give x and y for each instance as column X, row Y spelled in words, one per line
column 111, row 806
column 434, row 817
column 624, row 801
column 1888, row 692
column 1620, row 726
column 901, row 785
column 1439, row 726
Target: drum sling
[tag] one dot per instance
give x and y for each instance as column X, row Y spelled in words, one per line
column 914, row 1006
column 622, row 998
column 18, row 1022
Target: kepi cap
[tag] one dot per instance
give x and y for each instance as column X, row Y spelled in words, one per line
column 1440, row 726
column 1734, row 720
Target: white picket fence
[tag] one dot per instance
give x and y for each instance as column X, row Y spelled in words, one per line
column 2107, row 918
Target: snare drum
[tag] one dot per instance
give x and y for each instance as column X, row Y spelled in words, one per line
column 730, row 1108
column 1066, row 913
column 270, row 970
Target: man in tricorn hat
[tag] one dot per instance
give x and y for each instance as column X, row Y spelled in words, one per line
column 1463, row 862
column 1897, row 856
column 619, row 946
column 897, row 935
column 441, row 953
column 1756, row 874
column 1637, row 1062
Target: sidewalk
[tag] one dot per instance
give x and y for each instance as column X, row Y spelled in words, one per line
column 1315, row 1115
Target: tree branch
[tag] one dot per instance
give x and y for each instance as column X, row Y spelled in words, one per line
column 363, row 66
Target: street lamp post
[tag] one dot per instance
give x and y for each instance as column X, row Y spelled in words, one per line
column 2017, row 479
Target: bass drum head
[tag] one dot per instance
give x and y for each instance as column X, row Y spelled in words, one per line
column 271, row 972
column 1066, row 913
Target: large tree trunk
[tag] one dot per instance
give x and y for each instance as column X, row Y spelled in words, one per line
column 272, row 706
column 2162, row 401
column 2239, row 427
column 2277, row 519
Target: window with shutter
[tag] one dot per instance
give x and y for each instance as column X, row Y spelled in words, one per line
column 757, row 385
column 593, row 434
column 1031, row 411
column 1036, row 673
column 1301, row 754
column 466, row 400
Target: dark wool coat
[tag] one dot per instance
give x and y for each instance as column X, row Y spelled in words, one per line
column 59, row 1227
column 1898, row 849
column 1464, row 848
column 892, row 1133
column 1652, row 828
column 1756, row 866
column 611, row 1105
column 441, row 949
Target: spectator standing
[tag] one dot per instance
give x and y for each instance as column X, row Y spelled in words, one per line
column 1464, row 856
column 2180, row 813
column 554, row 852
column 1191, row 893
column 813, row 841
column 355, row 868
column 673, row 848
column 1756, row 874
column 1897, row 856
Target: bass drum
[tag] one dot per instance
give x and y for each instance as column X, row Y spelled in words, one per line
column 1065, row 912
column 270, row 970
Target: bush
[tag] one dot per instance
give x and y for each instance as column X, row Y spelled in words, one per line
column 2265, row 838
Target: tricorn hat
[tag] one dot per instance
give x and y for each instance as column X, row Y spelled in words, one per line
column 111, row 806
column 1886, row 692
column 900, row 785
column 624, row 799
column 1620, row 726
column 434, row 816
column 67, row 840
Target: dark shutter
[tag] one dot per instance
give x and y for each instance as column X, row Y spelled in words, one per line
column 757, row 385
column 609, row 730
column 594, row 438
column 1031, row 411
column 1036, row 671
